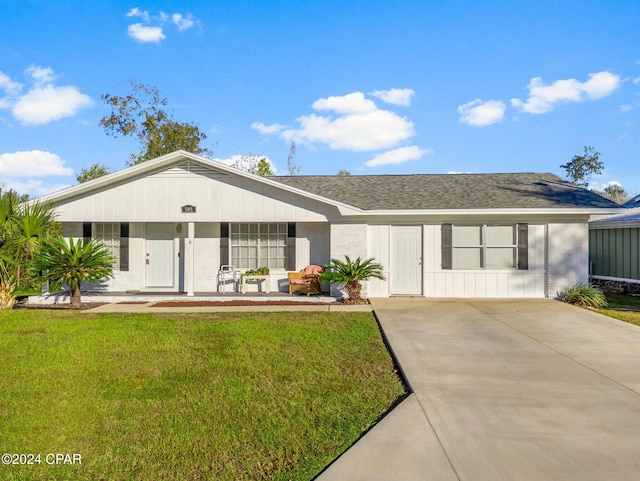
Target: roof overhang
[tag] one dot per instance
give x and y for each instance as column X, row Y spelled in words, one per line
column 630, row 218
column 579, row 211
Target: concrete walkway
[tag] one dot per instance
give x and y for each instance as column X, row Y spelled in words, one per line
column 504, row 390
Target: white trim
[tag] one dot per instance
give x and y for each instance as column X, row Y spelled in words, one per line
column 616, row 279
column 577, row 211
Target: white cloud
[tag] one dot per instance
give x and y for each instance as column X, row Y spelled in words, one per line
column 400, row 97
column 9, row 86
column 626, row 108
column 145, row 34
column 359, row 126
column 354, row 103
column 44, row 102
column 32, row 163
column 182, row 22
column 41, row 75
column 35, row 188
column 136, row 12
column 600, row 186
column 151, row 28
column 42, row 105
column 267, row 129
column 398, row 156
column 481, row 114
column 543, row 97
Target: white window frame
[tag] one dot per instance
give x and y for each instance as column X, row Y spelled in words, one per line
column 253, row 245
column 109, row 234
column 484, row 247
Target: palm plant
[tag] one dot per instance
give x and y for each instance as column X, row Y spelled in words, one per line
column 70, row 262
column 29, row 226
column 350, row 273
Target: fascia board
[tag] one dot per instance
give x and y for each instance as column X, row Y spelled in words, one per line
column 467, row 212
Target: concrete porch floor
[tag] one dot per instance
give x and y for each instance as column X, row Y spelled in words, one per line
column 152, row 297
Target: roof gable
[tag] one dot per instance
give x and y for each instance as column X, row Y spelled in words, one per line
column 175, row 164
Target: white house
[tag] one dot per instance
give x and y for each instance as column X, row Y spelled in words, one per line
column 172, row 221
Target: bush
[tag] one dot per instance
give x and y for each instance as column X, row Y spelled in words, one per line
column 585, row 294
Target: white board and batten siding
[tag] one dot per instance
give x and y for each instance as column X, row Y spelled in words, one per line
column 218, row 197
column 484, row 283
column 437, row 282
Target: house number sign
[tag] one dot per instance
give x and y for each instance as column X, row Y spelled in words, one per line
column 188, row 209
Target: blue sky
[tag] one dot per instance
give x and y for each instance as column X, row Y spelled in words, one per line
column 373, row 87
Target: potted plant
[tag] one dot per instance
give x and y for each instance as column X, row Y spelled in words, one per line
column 350, row 273
column 260, row 271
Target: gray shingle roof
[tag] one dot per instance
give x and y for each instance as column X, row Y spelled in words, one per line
column 628, row 219
column 449, row 191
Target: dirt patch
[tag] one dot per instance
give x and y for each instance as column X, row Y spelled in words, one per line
column 65, row 306
column 238, row 303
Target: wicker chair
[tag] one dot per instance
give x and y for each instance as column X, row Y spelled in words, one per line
column 306, row 281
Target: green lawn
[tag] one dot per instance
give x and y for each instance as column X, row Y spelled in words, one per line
column 188, row 397
column 623, row 307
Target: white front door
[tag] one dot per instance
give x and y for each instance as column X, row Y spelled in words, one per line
column 405, row 273
column 159, row 256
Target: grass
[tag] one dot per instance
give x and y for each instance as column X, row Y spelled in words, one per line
column 623, row 307
column 188, row 397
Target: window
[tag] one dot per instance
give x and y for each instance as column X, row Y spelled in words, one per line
column 484, row 247
column 110, row 235
column 257, row 245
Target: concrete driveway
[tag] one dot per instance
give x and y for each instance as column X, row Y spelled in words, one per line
column 505, row 390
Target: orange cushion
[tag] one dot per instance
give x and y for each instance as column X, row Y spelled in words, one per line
column 312, row 270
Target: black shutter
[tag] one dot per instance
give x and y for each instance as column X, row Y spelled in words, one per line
column 290, row 263
column 124, row 246
column 523, row 247
column 86, row 233
column 447, row 246
column 224, row 243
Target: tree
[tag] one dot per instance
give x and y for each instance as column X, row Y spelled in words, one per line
column 350, row 273
column 96, row 170
column 344, row 172
column 72, row 262
column 582, row 167
column 254, row 164
column 142, row 114
column 263, row 168
column 616, row 193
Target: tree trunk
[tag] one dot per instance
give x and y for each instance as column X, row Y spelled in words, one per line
column 353, row 290
column 7, row 299
column 76, row 297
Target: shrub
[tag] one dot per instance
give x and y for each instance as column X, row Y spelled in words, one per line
column 585, row 294
column 350, row 273
column 71, row 263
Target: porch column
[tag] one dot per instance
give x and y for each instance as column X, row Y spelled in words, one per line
column 189, row 259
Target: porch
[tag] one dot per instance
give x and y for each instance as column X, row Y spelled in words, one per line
column 161, row 297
